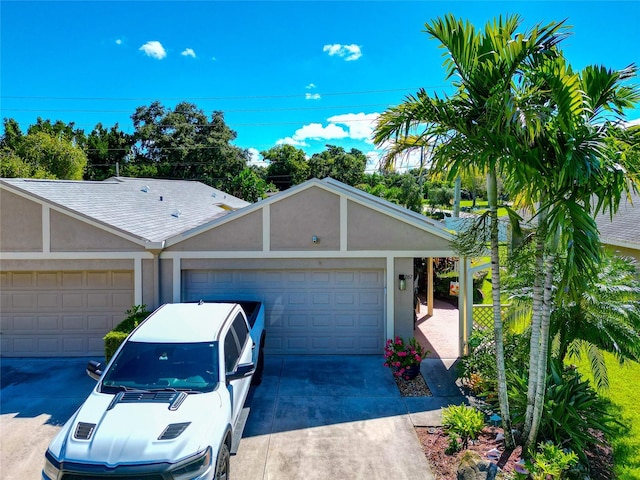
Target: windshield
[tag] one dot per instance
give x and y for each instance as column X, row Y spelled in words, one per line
column 163, row 366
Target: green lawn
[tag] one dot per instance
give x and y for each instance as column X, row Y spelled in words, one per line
column 624, row 383
column 482, row 206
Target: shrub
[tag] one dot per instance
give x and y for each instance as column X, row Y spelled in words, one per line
column 463, row 422
column 115, row 337
column 572, row 409
column 550, row 462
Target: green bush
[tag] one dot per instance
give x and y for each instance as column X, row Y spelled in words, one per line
column 463, row 422
column 115, row 337
column 572, row 409
column 550, row 462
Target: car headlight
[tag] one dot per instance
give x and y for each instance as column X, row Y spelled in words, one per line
column 50, row 470
column 193, row 468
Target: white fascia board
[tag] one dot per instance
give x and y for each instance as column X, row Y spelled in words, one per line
column 75, row 255
column 619, row 243
column 78, row 216
column 308, row 254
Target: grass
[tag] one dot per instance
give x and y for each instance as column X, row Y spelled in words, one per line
column 482, row 206
column 623, row 395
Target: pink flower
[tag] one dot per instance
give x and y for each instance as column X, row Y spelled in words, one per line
column 418, row 359
column 402, row 354
column 396, row 364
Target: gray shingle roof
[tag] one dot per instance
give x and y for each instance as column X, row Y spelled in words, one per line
column 150, row 209
column 624, row 228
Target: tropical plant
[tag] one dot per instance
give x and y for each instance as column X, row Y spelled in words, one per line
column 571, row 412
column 474, row 127
column 463, row 422
column 400, row 355
column 549, row 462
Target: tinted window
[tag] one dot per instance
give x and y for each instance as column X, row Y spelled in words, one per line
column 148, row 366
column 231, row 351
column 242, row 331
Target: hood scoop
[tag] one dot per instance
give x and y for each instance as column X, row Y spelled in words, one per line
column 174, row 399
column 173, row 431
column 84, row 431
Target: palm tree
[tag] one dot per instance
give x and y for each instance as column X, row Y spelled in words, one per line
column 568, row 176
column 473, row 127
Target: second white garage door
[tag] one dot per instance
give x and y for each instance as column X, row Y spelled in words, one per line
column 307, row 311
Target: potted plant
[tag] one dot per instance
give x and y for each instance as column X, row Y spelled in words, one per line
column 404, row 358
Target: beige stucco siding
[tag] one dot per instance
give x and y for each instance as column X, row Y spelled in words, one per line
column 241, row 234
column 20, row 224
column 71, row 235
column 372, row 230
column 404, row 313
column 296, row 219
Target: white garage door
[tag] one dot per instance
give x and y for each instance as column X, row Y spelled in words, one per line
column 46, row 314
column 307, row 312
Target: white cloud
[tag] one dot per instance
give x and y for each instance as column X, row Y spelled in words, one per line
column 256, row 159
column 213, row 59
column 310, row 86
column 632, row 123
column 360, row 125
column 348, row 52
column 312, row 96
column 154, row 49
column 188, row 52
column 118, row 41
column 292, row 141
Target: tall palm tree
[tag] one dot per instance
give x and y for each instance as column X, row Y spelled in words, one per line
column 569, row 175
column 474, row 126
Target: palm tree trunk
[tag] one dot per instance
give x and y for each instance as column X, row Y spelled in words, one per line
column 492, row 197
column 534, row 345
column 543, row 354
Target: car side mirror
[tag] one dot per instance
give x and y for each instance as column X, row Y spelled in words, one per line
column 94, row 369
column 242, row 371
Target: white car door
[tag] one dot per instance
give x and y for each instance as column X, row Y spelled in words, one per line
column 238, row 350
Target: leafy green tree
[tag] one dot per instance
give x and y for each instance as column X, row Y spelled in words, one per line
column 250, row 186
column 59, row 129
column 12, row 135
column 475, row 126
column 105, row 149
column 12, row 166
column 55, row 155
column 334, row 162
column 288, row 166
column 185, row 143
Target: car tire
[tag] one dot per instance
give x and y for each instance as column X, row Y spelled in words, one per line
column 257, row 376
column 222, row 464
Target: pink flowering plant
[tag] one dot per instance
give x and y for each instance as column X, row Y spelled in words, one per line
column 400, row 355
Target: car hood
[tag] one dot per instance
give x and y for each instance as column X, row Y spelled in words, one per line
column 121, row 429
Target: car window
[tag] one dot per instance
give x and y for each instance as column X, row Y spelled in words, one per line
column 231, row 351
column 241, row 329
column 149, row 366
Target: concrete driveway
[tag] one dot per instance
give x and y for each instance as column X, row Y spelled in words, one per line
column 313, row 417
column 317, row 417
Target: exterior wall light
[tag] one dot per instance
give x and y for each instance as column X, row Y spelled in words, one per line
column 402, row 283
column 315, row 239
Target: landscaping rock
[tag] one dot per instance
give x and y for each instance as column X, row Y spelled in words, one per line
column 474, row 467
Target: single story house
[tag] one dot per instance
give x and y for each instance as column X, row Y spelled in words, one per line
column 621, row 233
column 325, row 258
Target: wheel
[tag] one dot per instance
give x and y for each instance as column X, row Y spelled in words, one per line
column 222, row 464
column 257, row 376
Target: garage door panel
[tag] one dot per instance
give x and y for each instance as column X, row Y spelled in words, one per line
column 307, row 311
column 62, row 313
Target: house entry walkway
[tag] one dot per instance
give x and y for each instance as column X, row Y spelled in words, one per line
column 440, row 332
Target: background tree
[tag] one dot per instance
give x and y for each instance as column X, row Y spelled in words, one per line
column 107, row 148
column 250, row 186
column 287, row 166
column 55, row 155
column 334, row 162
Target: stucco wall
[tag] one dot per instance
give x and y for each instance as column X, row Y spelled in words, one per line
column 371, row 230
column 404, row 310
column 296, row 219
column 166, row 280
column 148, row 284
column 71, row 235
column 241, row 234
column 20, row 224
column 65, row 265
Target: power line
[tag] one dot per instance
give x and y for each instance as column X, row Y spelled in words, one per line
column 238, row 97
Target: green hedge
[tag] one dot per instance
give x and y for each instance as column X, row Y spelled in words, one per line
column 115, row 337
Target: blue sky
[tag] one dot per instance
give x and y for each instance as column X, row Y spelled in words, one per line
column 308, row 73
